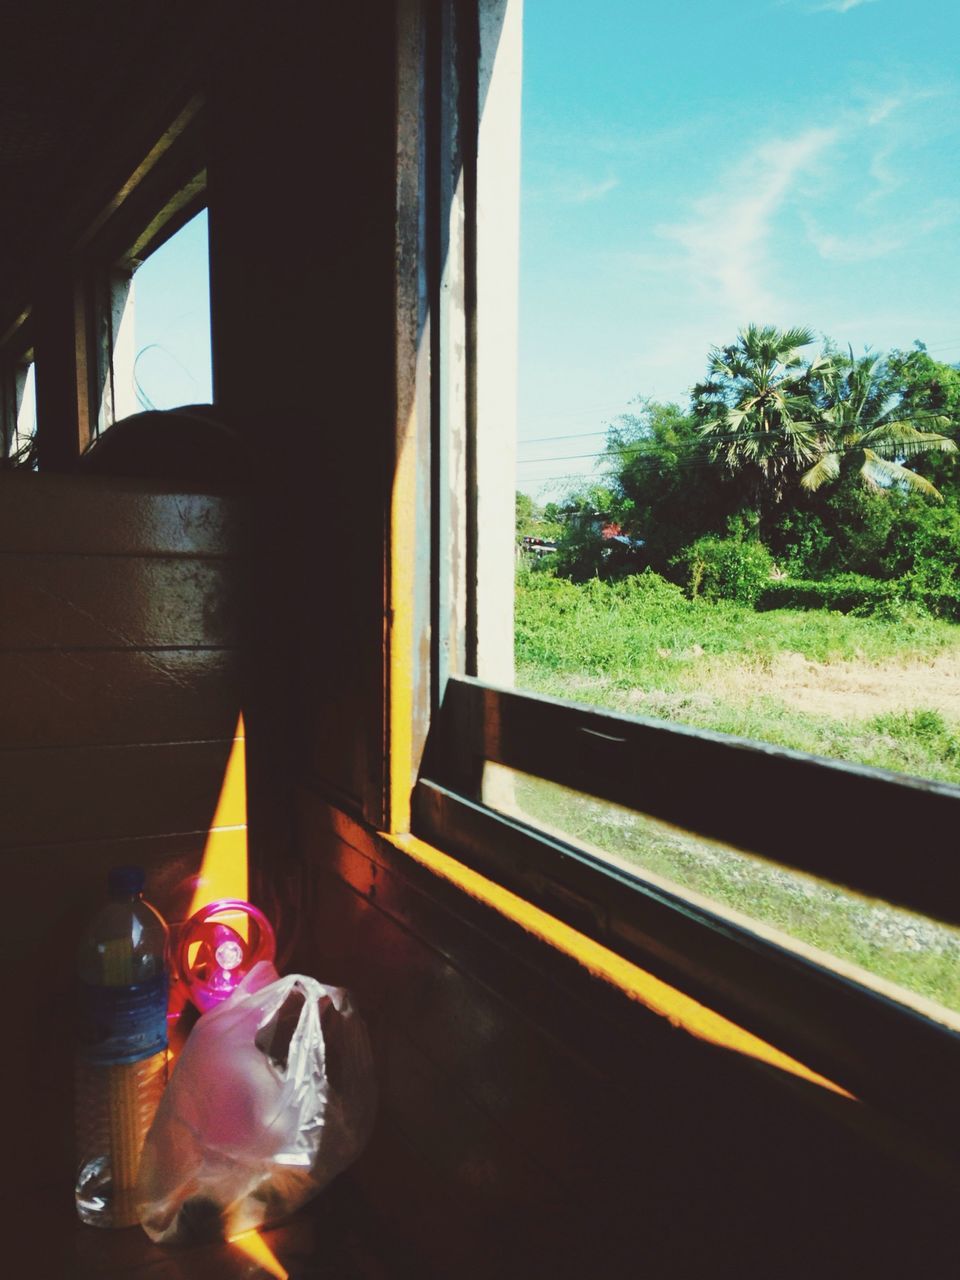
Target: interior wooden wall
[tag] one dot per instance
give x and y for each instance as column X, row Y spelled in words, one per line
column 120, row 693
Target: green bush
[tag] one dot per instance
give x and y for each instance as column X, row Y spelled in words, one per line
column 915, row 594
column 843, row 593
column 726, row 569
column 925, row 727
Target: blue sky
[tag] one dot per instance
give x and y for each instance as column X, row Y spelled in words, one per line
column 689, row 168
column 172, row 320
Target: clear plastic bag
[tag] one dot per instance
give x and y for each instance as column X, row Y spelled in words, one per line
column 272, row 1097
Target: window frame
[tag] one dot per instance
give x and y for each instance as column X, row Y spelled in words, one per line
column 457, row 199
column 856, row 1036
column 168, row 189
column 16, row 359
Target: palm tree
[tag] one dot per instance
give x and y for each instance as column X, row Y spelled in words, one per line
column 755, row 409
column 858, row 424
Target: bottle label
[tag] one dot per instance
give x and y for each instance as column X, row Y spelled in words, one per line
column 123, row 1024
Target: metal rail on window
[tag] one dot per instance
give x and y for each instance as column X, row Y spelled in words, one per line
column 875, row 833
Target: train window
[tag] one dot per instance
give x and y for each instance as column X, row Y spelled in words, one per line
column 19, row 414
column 153, row 328
column 614, row 817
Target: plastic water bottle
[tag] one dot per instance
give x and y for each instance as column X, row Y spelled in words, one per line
column 122, row 1050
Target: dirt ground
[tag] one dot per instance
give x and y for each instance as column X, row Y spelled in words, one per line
column 850, row 690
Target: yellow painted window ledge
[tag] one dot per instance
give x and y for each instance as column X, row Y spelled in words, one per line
column 668, row 1002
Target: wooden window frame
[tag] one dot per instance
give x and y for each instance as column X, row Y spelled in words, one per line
column 165, row 191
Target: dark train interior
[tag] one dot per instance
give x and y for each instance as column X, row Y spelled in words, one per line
column 254, row 637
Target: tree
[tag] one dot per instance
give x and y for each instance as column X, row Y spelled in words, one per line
column 928, row 388
column 526, row 510
column 666, row 491
column 858, row 425
column 535, row 521
column 755, row 410
column 581, row 550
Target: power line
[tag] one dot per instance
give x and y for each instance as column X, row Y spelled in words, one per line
column 573, row 435
column 615, row 452
column 625, row 411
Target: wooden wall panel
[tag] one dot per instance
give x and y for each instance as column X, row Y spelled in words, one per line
column 82, row 793
column 115, row 601
column 104, row 697
column 120, row 693
column 109, row 516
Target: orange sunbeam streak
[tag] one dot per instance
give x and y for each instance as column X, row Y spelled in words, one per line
column 223, row 869
column 256, row 1248
column 224, row 874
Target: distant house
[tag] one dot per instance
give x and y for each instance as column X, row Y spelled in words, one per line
column 614, row 533
column 538, row 546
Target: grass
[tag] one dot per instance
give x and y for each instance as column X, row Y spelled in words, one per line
column 875, row 691
column 918, row 954
column 882, row 692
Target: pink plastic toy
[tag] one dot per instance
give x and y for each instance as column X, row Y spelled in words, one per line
column 214, row 957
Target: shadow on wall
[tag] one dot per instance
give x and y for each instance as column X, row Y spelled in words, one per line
column 122, row 739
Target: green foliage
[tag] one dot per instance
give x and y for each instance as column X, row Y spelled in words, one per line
column 597, row 626
column 801, row 541
column 862, row 428
column 910, row 596
column 872, row 438
column 844, row 593
column 924, row 727
column 927, row 388
column 581, row 551
column 925, row 540
column 726, row 569
column 754, row 408
column 533, row 520
column 624, row 628
column 525, row 509
column 665, row 491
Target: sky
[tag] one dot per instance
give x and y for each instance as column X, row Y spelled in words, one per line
column 172, row 321
column 693, row 167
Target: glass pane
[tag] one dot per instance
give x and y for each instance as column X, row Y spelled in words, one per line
column 173, row 321
column 156, row 327
column 27, row 419
column 906, row 956
column 739, row 388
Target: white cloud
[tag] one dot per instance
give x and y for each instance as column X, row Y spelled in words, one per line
column 825, row 6
column 724, row 243
column 856, row 248
column 882, row 241
column 585, row 192
column 839, row 6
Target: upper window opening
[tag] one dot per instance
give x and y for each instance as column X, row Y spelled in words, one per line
column 154, row 329
column 739, row 375
column 19, row 414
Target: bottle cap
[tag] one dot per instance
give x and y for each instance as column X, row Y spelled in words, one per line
column 125, row 882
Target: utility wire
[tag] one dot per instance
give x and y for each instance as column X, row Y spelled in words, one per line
column 581, row 435
column 615, row 452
